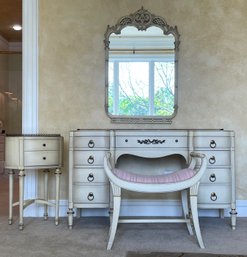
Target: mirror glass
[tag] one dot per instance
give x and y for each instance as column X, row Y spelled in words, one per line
column 141, row 70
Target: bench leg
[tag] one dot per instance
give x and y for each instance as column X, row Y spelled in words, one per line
column 194, row 212
column 184, row 198
column 114, row 223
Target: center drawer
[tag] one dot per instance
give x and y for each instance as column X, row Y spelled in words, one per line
column 91, row 194
column 159, row 141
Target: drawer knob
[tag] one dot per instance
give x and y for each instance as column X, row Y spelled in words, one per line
column 44, row 158
column 212, row 144
column 44, row 145
column 212, row 160
column 90, row 159
column 213, row 197
column 212, row 177
column 90, row 196
column 91, row 144
column 90, row 177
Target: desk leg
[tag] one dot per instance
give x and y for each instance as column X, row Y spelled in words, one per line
column 46, row 193
column 11, row 191
column 21, row 198
column 57, row 174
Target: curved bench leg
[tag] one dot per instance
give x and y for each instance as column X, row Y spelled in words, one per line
column 114, row 223
column 194, row 212
column 184, row 199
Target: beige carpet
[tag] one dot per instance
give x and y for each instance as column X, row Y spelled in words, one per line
column 159, row 254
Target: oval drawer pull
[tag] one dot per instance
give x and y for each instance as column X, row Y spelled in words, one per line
column 44, row 145
column 212, row 160
column 91, row 144
column 90, row 177
column 212, row 177
column 213, row 197
column 90, row 159
column 44, row 158
column 90, row 196
column 212, row 144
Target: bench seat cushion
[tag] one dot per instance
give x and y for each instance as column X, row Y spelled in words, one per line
column 174, row 177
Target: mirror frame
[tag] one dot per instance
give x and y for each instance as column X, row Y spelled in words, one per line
column 142, row 19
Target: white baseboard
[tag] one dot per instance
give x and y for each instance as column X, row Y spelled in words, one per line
column 138, row 208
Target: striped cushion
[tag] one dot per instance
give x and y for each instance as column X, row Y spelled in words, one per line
column 174, row 177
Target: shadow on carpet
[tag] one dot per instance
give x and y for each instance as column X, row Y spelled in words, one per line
column 160, row 254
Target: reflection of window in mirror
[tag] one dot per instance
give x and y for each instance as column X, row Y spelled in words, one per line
column 141, row 69
column 141, row 73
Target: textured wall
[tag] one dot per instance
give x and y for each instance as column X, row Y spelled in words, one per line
column 212, row 67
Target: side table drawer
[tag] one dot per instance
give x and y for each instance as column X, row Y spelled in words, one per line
column 94, row 158
column 41, row 158
column 41, row 144
column 214, row 194
column 91, row 194
column 93, row 175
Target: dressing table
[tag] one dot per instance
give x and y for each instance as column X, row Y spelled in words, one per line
column 33, row 152
column 89, row 187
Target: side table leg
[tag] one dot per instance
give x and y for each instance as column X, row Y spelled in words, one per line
column 11, row 190
column 233, row 213
column 21, row 198
column 46, row 193
column 57, row 174
column 70, row 213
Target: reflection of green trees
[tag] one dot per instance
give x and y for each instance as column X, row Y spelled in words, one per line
column 135, row 103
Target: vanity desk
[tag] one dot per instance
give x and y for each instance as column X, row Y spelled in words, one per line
column 88, row 184
column 33, row 152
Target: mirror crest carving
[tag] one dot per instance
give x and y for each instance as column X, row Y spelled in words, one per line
column 141, row 55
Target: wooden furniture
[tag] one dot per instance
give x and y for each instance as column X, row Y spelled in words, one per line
column 185, row 180
column 31, row 152
column 217, row 188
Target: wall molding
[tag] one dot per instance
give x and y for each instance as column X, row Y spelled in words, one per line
column 152, row 208
column 30, row 88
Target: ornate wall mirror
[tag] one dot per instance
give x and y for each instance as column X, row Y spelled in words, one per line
column 141, row 54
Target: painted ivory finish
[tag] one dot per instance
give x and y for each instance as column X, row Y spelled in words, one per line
column 29, row 153
column 217, row 187
column 188, row 189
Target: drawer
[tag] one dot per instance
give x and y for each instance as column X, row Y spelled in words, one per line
column 214, row 194
column 41, row 144
column 147, row 142
column 91, row 142
column 89, row 158
column 41, row 158
column 214, row 176
column 217, row 158
column 93, row 175
column 212, row 142
column 91, row 194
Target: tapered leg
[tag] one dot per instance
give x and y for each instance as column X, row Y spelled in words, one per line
column 184, row 198
column 233, row 213
column 11, row 190
column 114, row 223
column 57, row 174
column 194, row 212
column 46, row 193
column 21, row 198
